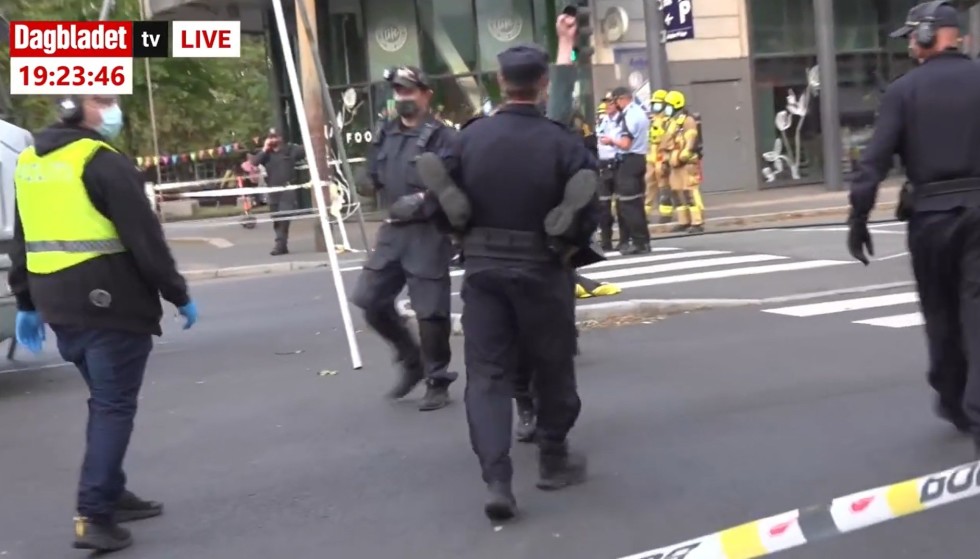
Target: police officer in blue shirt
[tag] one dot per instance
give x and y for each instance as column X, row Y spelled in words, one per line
column 413, row 245
column 608, row 126
column 528, row 180
column 632, row 146
column 929, row 117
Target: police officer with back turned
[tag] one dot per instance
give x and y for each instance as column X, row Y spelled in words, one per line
column 413, row 245
column 91, row 261
column 532, row 186
column 930, row 118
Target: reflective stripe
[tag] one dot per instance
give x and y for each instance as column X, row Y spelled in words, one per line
column 105, row 247
column 634, row 197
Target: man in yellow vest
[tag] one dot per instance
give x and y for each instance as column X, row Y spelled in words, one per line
column 658, row 188
column 90, row 260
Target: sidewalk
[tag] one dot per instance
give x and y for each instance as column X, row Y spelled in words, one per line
column 205, row 246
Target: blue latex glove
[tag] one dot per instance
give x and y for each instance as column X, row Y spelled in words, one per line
column 30, row 330
column 189, row 312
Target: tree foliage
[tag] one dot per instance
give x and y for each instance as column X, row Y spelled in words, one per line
column 199, row 103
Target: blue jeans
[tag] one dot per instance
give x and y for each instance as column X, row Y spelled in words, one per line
column 112, row 362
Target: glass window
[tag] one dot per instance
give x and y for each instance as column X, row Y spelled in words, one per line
column 457, row 99
column 392, row 35
column 448, row 36
column 342, row 41
column 856, row 26
column 502, row 24
column 782, row 26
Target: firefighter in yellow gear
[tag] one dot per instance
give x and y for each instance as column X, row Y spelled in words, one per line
column 682, row 145
column 658, row 187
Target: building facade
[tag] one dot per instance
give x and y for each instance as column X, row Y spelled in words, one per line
column 749, row 69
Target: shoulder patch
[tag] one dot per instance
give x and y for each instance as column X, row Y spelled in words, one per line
column 471, row 121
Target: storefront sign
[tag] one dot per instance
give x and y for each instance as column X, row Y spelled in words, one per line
column 502, row 24
column 678, row 20
column 393, row 38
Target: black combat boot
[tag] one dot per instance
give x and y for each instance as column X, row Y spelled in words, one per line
column 695, row 230
column 436, row 397
column 680, row 228
column 101, row 536
column 410, row 374
column 130, row 508
column 558, row 468
column 954, row 415
column 526, row 424
column 501, row 504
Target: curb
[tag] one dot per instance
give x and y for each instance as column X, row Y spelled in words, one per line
column 650, row 308
column 740, row 220
column 253, row 270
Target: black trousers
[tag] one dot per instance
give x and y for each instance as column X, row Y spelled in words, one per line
column 945, row 251
column 280, row 225
column 510, row 313
column 630, row 190
column 607, row 187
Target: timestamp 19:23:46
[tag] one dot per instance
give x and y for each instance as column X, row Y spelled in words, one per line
column 73, row 76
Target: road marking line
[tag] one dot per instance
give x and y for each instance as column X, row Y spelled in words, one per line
column 220, row 243
column 898, row 321
column 641, row 259
column 846, row 305
column 892, row 257
column 734, row 272
column 685, row 265
column 846, row 514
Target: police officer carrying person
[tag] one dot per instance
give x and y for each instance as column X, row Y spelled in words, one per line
column 681, row 145
column 658, row 171
column 532, row 186
column 280, row 162
column 90, row 260
column 929, row 117
column 413, row 245
column 608, row 127
column 630, row 175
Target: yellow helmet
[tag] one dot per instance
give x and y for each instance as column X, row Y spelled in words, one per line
column 675, row 99
column 658, row 96
column 601, row 109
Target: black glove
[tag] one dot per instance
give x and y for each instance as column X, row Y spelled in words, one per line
column 408, row 208
column 859, row 239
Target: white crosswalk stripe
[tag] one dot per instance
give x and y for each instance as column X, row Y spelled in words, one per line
column 863, row 310
column 671, row 265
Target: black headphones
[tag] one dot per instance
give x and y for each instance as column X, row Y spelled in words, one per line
column 925, row 29
column 70, row 109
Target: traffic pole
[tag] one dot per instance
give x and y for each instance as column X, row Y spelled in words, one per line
column 833, row 172
column 657, row 64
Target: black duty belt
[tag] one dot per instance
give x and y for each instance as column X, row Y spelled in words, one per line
column 605, row 164
column 946, row 195
column 507, row 244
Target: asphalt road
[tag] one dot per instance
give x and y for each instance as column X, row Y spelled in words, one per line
column 692, row 424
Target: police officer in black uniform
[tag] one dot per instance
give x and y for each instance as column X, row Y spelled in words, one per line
column 521, row 173
column 413, row 246
column 930, row 118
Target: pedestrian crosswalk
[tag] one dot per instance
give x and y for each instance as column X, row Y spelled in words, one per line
column 668, row 266
column 869, row 311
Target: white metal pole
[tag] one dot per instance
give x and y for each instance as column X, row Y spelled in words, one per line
column 287, row 53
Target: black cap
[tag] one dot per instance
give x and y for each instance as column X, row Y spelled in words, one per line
column 407, row 76
column 523, row 65
column 945, row 15
column 621, row 92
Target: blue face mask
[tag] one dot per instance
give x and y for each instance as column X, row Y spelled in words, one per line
column 657, row 107
column 112, row 122
column 669, row 111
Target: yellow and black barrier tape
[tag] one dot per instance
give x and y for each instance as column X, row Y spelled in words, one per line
column 850, row 513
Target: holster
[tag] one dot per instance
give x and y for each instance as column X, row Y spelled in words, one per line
column 906, row 203
column 508, row 244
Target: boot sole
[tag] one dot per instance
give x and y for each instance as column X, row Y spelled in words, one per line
column 579, row 191
column 566, row 480
column 499, row 512
column 452, row 200
column 102, row 546
column 134, row 515
column 434, row 407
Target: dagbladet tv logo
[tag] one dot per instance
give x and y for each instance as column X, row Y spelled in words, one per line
column 207, row 39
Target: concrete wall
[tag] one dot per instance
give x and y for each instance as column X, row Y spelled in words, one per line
column 715, row 73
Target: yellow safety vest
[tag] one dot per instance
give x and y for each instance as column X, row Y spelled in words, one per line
column 61, row 226
column 658, row 123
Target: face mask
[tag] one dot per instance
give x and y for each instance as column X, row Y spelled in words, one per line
column 112, row 122
column 669, row 111
column 657, row 107
column 406, row 107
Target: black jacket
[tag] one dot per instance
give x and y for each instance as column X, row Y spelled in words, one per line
column 135, row 280
column 928, row 117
